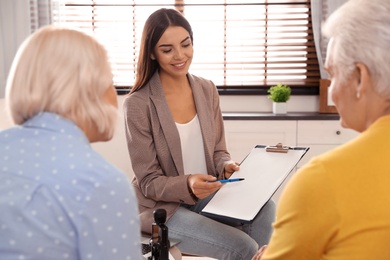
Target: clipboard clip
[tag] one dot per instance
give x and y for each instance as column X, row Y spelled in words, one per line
column 279, row 148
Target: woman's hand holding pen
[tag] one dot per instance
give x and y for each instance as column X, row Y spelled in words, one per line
column 202, row 185
column 230, row 168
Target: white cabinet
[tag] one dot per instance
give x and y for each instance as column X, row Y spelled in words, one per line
column 243, row 135
column 321, row 136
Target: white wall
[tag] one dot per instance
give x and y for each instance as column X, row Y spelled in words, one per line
column 5, row 120
column 263, row 104
column 14, row 28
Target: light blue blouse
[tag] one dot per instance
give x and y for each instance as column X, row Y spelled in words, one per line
column 59, row 199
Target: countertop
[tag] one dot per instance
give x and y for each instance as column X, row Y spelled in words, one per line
column 271, row 116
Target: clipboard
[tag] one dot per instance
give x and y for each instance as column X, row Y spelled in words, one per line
column 265, row 168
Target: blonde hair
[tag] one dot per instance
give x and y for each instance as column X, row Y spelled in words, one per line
column 62, row 71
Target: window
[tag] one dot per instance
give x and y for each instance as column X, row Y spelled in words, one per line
column 238, row 44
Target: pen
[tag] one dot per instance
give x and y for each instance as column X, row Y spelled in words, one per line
column 230, row 180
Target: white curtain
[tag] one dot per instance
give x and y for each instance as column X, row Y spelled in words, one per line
column 18, row 19
column 320, row 10
column 40, row 14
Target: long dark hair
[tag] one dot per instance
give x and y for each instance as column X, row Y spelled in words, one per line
column 154, row 28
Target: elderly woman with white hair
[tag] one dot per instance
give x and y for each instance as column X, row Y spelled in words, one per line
column 337, row 206
column 59, row 199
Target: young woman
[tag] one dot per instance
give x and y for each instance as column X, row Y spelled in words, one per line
column 177, row 145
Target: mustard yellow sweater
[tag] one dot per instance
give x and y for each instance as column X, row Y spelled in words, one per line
column 338, row 205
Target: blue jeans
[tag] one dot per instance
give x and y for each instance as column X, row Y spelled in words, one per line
column 218, row 238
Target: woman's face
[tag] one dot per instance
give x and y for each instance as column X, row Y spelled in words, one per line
column 174, row 51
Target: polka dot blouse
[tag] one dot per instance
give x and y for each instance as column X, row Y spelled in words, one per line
column 59, row 199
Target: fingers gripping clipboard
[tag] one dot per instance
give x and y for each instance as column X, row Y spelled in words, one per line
column 264, row 169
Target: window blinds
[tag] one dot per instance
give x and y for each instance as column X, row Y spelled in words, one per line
column 40, row 13
column 237, row 44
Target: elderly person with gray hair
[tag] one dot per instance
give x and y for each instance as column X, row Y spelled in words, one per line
column 337, row 206
column 59, row 199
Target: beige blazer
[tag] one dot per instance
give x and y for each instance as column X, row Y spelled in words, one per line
column 154, row 145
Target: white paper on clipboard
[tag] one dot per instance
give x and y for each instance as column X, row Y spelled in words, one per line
column 264, row 172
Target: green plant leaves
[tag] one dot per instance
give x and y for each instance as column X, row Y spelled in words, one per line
column 279, row 93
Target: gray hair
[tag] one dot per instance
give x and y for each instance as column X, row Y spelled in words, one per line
column 360, row 31
column 62, row 71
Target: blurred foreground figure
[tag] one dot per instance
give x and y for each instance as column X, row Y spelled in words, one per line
column 59, row 199
column 337, row 206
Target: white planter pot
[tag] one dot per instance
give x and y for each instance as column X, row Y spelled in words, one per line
column 279, row 108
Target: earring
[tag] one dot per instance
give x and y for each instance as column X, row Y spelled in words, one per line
column 358, row 94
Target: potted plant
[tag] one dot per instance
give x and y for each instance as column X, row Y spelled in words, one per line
column 279, row 94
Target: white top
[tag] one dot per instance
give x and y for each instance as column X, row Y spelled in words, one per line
column 192, row 148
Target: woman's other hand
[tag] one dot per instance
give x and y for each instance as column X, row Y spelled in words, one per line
column 259, row 253
column 230, row 168
column 202, row 185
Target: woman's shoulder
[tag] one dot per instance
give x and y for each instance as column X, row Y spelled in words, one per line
column 200, row 80
column 206, row 85
column 137, row 97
